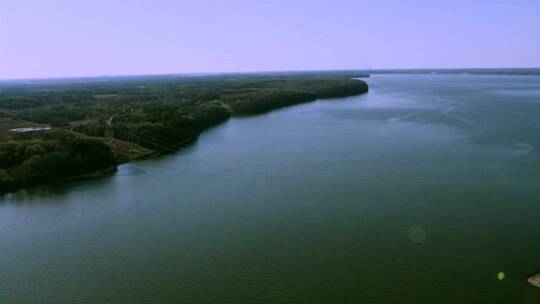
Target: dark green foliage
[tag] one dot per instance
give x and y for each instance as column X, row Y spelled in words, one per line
column 32, row 161
column 263, row 100
column 159, row 113
column 166, row 115
column 327, row 88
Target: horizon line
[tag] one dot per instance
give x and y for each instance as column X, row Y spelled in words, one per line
column 254, row 72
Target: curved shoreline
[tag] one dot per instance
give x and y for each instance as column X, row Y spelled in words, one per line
column 232, row 113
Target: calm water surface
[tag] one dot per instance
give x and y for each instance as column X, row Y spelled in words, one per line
column 421, row 191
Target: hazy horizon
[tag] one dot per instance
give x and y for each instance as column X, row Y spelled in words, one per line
column 371, row 71
column 63, row 39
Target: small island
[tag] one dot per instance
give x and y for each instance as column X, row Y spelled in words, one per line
column 57, row 129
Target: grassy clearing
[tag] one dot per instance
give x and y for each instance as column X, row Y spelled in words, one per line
column 126, row 151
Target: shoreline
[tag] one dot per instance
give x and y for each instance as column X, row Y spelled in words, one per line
column 112, row 169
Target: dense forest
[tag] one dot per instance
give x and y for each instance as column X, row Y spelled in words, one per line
column 48, row 157
column 96, row 123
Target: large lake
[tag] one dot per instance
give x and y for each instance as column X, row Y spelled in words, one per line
column 424, row 190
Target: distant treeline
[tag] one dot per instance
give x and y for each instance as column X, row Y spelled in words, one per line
column 158, row 113
column 481, row 71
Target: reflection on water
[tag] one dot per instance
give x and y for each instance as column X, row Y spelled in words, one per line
column 430, row 182
column 129, row 170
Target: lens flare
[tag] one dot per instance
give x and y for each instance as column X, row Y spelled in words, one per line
column 417, row 234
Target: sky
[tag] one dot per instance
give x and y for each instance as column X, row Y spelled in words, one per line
column 62, row 38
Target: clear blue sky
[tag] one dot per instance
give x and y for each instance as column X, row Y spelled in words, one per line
column 52, row 38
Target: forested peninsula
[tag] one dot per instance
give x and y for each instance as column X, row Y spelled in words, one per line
column 62, row 128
